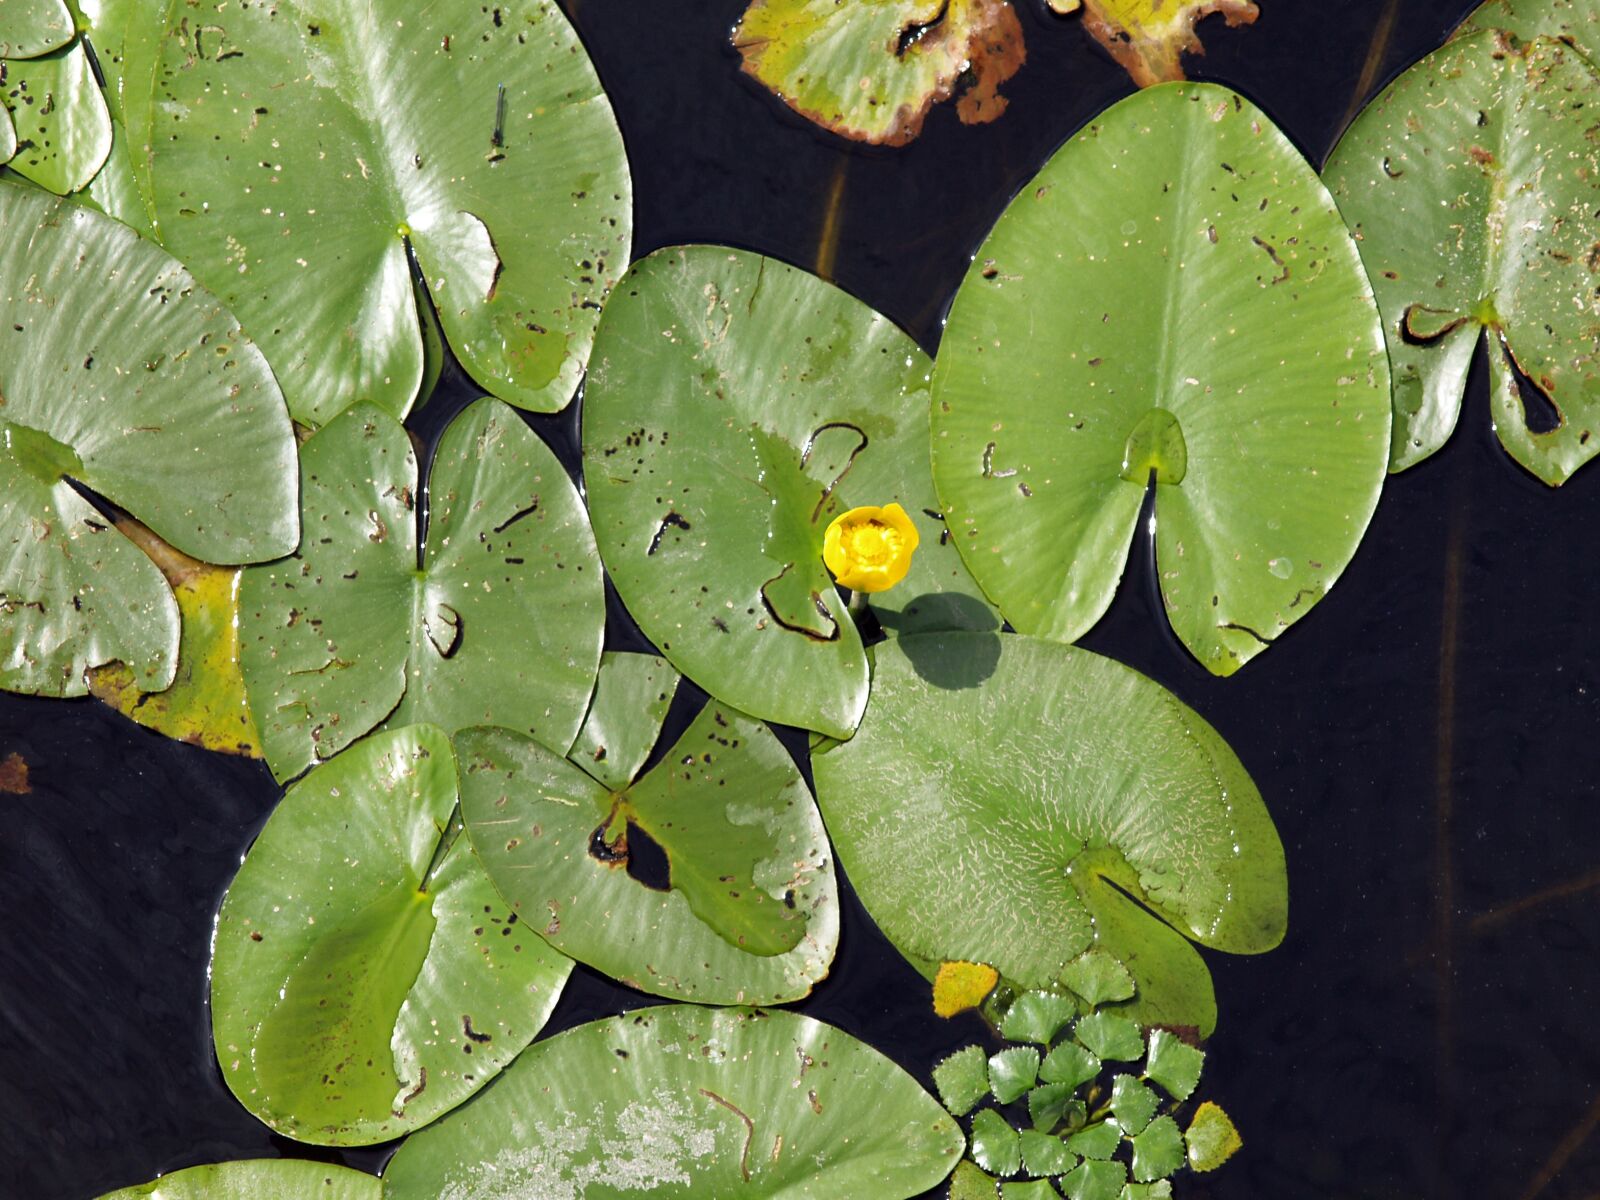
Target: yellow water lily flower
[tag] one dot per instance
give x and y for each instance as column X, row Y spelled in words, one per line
column 869, row 549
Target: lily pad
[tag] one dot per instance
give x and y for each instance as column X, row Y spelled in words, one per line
column 1059, row 766
column 122, row 374
column 1576, row 22
column 206, row 703
column 872, row 70
column 734, row 407
column 688, row 1102
column 1174, row 296
column 1149, row 39
column 34, row 27
column 366, row 977
column 502, row 623
column 257, row 1179
column 1471, row 181
column 631, row 698
column 8, row 137
column 63, row 130
column 514, row 194
column 749, row 911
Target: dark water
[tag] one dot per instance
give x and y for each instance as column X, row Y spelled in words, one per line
column 1422, row 740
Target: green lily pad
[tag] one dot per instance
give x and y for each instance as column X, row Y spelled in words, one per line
column 962, row 1080
column 1098, row 1141
column 8, row 136
column 1159, row 1190
column 686, row 1102
column 1470, row 181
column 1099, row 978
column 501, row 625
column 122, row 374
column 735, row 406
column 257, row 1179
column 1037, row 1017
column 1133, row 1103
column 750, row 913
column 1055, row 765
column 1576, row 22
column 1095, row 1181
column 995, row 1145
column 1174, row 1064
column 1045, row 1154
column 34, row 27
column 871, row 71
column 63, row 130
column 514, row 194
column 631, row 698
column 1012, row 1072
column 1050, row 1104
column 1174, row 295
column 1211, row 1138
column 1070, row 1064
column 1110, row 1036
column 117, row 190
column 366, row 977
column 971, row 1182
column 1157, row 1150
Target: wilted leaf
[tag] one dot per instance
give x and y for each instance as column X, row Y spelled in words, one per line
column 1471, row 182
column 687, row 1102
column 748, row 911
column 501, row 625
column 1212, row 1138
column 735, row 407
column 257, row 1179
column 478, row 136
column 63, row 131
column 962, row 1080
column 995, row 1146
column 366, row 977
column 14, row 782
column 1066, row 785
column 960, row 986
column 1149, row 37
column 871, row 70
column 1174, row 295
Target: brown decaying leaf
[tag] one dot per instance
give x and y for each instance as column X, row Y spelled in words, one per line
column 14, row 775
column 1149, row 37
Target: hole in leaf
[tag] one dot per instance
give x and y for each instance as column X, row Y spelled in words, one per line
column 647, row 861
column 1539, row 412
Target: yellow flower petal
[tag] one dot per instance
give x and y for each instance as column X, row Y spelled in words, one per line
column 869, row 549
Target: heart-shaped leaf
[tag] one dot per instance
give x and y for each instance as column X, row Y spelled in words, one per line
column 501, row 625
column 63, row 129
column 1067, row 785
column 122, row 374
column 1174, row 295
column 872, row 70
column 1470, row 181
column 631, row 698
column 736, row 406
column 749, row 911
column 366, row 977
column 34, row 27
column 297, row 150
column 257, row 1179
column 684, row 1102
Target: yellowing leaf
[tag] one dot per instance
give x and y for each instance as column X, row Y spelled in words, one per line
column 206, row 703
column 962, row 985
column 1212, row 1138
column 1148, row 37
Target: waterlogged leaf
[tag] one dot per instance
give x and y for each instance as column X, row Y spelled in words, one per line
column 971, row 1182
column 1055, row 765
column 206, row 702
column 1069, row 1064
column 1174, row 295
column 34, row 27
column 631, row 698
column 1037, row 1017
column 502, row 624
column 1012, row 1072
column 995, row 1146
column 1095, row 1181
column 514, row 194
column 63, row 130
column 122, row 374
column 686, row 1102
column 1099, row 978
column 735, row 406
column 1212, row 1138
column 749, row 910
column 257, row 1179
column 366, row 977
column 871, row 71
column 1471, row 182
column 1045, row 1154
column 1174, row 1064
column 962, row 1080
column 1098, row 1141
column 1149, row 37
column 1052, row 1103
column 1157, row 1151
column 960, row 986
column 1133, row 1103
column 1110, row 1036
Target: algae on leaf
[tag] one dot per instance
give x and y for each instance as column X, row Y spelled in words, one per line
column 685, row 1103
column 1471, row 182
column 1175, row 298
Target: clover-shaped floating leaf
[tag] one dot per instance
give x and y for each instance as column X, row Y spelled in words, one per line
column 1110, row 1036
column 1160, row 1190
column 1050, row 1104
column 1173, row 296
column 1149, row 39
column 684, row 1102
column 962, row 1080
column 120, row 373
column 1099, row 978
column 1157, row 1150
column 1069, row 1064
column 501, row 625
column 1211, row 1138
column 1133, row 1103
column 513, row 192
column 1098, row 1141
column 257, row 1179
column 366, row 976
column 735, row 406
column 872, row 71
column 1471, row 182
column 1068, row 788
column 631, row 698
column 1012, row 1072
column 62, row 126
column 1095, row 1181
column 995, row 1145
column 1031, row 1189
column 1174, row 1064
column 34, row 27
column 972, row 1182
column 1037, row 1017
column 1045, row 1154
column 1576, row 22
column 749, row 911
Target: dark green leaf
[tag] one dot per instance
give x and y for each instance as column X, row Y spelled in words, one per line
column 631, row 698
column 995, row 1145
column 1050, row 1104
column 1098, row 977
column 1110, row 1036
column 1044, row 1154
column 1012, row 1072
column 1174, row 1064
column 1095, row 1181
column 962, row 1080
column 1097, row 1141
column 1158, row 1150
column 1036, row 1189
column 1037, row 1017
column 1069, row 1064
